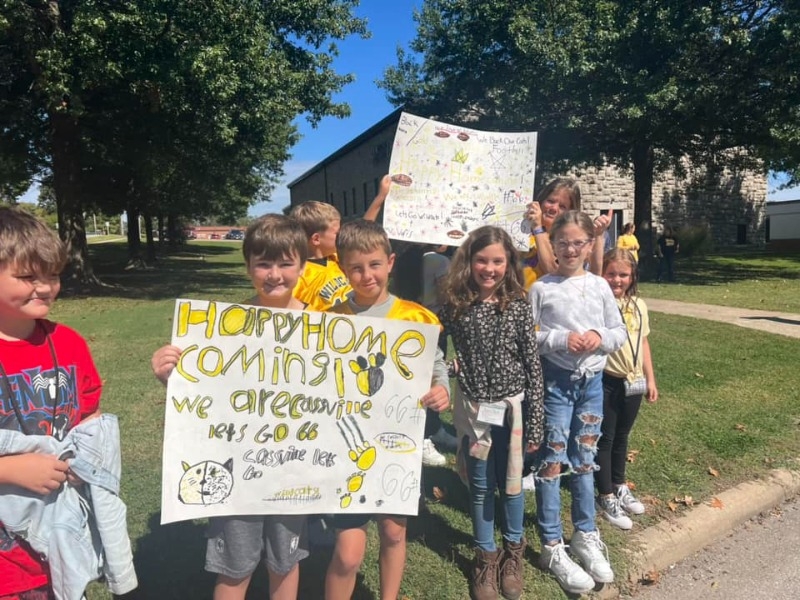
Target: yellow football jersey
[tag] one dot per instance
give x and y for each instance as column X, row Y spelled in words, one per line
column 322, row 284
column 402, row 310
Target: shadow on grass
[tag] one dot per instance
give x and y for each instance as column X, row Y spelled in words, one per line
column 169, row 562
column 192, row 270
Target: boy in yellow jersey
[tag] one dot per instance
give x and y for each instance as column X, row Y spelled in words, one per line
column 366, row 258
column 323, row 284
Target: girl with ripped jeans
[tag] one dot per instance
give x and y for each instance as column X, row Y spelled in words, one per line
column 578, row 326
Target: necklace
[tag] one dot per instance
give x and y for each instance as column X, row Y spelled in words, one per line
column 52, row 391
column 581, row 289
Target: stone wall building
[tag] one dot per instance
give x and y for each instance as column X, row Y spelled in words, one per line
column 730, row 204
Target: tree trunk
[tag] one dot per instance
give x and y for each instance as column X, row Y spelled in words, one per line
column 66, row 177
column 150, row 256
column 134, row 241
column 643, row 167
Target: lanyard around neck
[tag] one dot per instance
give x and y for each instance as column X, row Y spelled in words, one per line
column 634, row 351
column 52, row 388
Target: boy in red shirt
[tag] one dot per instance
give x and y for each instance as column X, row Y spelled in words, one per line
column 48, row 381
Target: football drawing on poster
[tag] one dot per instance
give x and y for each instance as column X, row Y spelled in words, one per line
column 282, row 411
column 448, row 180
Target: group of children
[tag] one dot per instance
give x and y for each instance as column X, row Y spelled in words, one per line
column 531, row 339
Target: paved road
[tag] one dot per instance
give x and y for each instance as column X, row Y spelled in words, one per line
column 760, row 559
column 763, row 320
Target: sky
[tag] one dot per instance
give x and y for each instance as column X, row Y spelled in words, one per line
column 391, row 24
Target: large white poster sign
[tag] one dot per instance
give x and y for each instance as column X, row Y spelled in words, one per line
column 449, row 180
column 280, row 411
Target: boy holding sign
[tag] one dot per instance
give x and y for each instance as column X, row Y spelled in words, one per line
column 275, row 251
column 366, row 257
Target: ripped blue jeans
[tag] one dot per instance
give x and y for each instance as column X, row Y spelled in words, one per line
column 573, row 415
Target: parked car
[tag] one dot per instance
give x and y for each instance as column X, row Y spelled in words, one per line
column 235, row 234
column 190, row 234
column 214, row 236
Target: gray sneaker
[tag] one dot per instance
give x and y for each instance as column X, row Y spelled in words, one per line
column 628, row 501
column 610, row 509
column 569, row 574
column 593, row 554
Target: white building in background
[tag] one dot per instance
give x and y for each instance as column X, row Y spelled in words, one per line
column 783, row 225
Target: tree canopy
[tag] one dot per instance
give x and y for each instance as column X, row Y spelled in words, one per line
column 638, row 83
column 161, row 107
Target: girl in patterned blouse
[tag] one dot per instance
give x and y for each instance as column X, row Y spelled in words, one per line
column 498, row 411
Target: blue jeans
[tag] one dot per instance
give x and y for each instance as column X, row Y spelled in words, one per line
column 573, row 416
column 484, row 476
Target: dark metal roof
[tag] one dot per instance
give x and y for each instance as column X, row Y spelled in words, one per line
column 394, row 116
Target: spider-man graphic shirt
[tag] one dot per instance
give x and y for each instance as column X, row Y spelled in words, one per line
column 34, row 382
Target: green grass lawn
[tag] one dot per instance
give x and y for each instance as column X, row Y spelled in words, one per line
column 746, row 278
column 729, row 411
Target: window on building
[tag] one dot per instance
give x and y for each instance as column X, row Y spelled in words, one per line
column 366, row 201
column 331, row 199
column 741, row 234
column 355, row 202
column 344, row 203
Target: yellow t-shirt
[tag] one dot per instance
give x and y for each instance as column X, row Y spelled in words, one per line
column 322, row 284
column 530, row 265
column 620, row 363
column 630, row 243
column 401, row 310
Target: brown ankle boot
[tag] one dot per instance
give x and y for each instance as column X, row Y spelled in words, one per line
column 484, row 575
column 511, row 569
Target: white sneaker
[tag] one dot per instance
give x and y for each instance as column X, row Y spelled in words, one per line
column 430, row 456
column 628, row 501
column 609, row 507
column 593, row 554
column 529, row 483
column 570, row 576
column 444, row 440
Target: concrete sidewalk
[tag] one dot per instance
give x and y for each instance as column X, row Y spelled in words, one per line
column 764, row 320
column 668, row 542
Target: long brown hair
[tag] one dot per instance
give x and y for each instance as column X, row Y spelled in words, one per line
column 459, row 290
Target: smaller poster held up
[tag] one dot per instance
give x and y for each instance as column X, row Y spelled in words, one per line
column 292, row 412
column 449, row 180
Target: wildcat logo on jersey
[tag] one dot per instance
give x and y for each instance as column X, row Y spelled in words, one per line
column 33, row 392
column 334, row 285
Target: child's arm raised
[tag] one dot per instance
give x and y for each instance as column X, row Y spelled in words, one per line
column 544, row 250
column 374, row 209
column 164, row 361
column 601, row 224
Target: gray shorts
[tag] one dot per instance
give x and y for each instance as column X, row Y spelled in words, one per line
column 236, row 544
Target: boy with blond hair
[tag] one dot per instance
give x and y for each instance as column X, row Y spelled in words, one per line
column 366, row 258
column 275, row 252
column 323, row 284
column 48, row 383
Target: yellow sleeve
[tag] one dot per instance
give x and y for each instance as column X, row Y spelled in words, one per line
column 322, row 286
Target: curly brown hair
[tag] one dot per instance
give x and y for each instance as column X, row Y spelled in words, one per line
column 459, row 290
